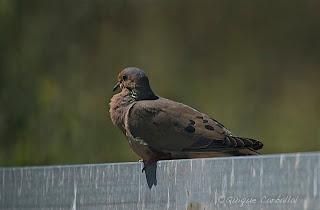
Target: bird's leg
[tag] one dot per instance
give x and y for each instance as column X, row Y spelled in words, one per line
column 154, row 159
column 147, row 163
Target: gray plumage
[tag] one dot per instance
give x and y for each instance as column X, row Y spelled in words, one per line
column 159, row 128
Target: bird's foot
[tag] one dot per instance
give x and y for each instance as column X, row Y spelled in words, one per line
column 147, row 163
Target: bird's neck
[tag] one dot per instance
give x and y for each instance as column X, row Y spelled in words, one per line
column 143, row 93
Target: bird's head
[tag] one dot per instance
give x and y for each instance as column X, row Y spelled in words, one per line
column 136, row 81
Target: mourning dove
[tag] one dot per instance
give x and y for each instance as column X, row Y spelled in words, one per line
column 158, row 128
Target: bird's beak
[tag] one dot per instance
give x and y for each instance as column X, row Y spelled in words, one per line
column 116, row 86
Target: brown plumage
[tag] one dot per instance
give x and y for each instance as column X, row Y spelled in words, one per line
column 159, row 128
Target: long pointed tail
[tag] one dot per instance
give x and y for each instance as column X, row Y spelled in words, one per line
column 244, row 142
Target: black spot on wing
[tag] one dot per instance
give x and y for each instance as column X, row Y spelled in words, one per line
column 209, row 127
column 205, row 121
column 190, row 129
column 192, row 122
column 199, row 117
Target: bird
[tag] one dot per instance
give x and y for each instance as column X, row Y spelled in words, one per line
column 162, row 129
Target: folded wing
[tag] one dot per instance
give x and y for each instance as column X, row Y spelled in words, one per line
column 169, row 126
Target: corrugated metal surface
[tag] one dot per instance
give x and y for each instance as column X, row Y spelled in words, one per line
column 288, row 181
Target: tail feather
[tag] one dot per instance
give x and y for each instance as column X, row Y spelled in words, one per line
column 230, row 146
column 239, row 142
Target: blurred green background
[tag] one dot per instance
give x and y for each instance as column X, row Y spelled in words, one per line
column 253, row 65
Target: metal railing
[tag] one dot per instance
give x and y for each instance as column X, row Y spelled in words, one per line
column 285, row 181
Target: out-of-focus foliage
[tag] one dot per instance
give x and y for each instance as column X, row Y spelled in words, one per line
column 253, row 65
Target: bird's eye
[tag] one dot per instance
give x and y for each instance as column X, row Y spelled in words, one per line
column 124, row 77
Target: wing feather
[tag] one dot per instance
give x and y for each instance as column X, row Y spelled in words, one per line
column 167, row 126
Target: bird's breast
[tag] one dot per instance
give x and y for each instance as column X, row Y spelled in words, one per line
column 119, row 106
